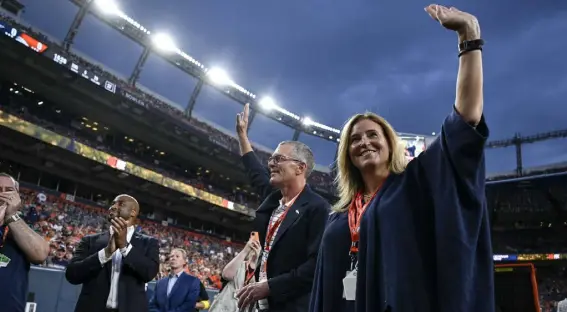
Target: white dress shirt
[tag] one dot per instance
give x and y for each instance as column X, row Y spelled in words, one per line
column 112, row 301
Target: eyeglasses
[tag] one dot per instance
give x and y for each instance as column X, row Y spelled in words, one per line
column 276, row 159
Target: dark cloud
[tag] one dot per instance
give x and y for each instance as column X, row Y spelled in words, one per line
column 329, row 61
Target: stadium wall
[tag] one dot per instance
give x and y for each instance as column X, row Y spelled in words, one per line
column 53, row 293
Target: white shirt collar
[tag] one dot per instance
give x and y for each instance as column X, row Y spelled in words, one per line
column 129, row 234
column 176, row 275
column 289, row 203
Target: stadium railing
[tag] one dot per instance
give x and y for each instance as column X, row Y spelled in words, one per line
column 53, row 293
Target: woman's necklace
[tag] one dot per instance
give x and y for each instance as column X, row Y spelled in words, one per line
column 367, row 197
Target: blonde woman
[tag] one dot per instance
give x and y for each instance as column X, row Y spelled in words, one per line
column 239, row 272
column 423, row 242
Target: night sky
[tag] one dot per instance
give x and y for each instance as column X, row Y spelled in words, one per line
column 331, row 59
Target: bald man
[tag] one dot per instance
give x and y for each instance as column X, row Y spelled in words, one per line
column 114, row 266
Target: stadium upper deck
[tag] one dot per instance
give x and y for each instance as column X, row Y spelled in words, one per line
column 163, row 46
column 143, row 98
column 140, row 96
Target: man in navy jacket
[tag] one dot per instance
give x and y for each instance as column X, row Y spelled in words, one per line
column 179, row 291
column 290, row 223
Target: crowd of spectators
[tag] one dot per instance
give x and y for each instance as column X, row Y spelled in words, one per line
column 552, row 286
column 529, row 215
column 134, row 153
column 321, row 180
column 63, row 222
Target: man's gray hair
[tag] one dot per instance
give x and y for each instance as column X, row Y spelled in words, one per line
column 16, row 184
column 303, row 153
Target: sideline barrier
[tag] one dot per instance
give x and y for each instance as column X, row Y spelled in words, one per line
column 516, row 288
column 53, row 293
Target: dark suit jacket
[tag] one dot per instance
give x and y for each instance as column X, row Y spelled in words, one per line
column 139, row 267
column 182, row 298
column 292, row 259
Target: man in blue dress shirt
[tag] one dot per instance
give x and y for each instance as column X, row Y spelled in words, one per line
column 179, row 291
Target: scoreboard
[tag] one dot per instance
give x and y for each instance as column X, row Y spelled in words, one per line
column 57, row 55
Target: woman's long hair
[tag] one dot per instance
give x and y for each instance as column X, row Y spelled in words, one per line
column 348, row 179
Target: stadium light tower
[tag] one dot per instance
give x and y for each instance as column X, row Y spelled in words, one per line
column 306, row 122
column 139, row 66
column 161, row 42
column 74, row 28
column 193, row 98
column 107, row 6
column 296, row 134
column 267, row 103
column 251, row 116
column 218, row 76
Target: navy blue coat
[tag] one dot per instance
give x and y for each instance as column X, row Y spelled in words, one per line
column 183, row 296
column 425, row 239
column 332, row 264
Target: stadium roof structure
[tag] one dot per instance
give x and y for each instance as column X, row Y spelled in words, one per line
column 164, row 45
column 109, row 12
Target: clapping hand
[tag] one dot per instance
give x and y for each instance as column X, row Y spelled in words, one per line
column 10, row 204
column 110, row 247
column 120, row 230
column 3, row 207
column 465, row 24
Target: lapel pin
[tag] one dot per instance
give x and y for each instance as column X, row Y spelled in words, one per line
column 296, row 211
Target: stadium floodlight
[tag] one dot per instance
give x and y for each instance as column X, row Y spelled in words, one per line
column 164, row 42
column 307, row 121
column 267, row 103
column 107, row 6
column 218, row 76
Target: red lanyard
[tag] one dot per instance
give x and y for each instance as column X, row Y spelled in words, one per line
column 249, row 275
column 274, row 226
column 355, row 212
column 354, row 215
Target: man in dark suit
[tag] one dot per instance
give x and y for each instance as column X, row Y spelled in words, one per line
column 179, row 291
column 290, row 222
column 114, row 266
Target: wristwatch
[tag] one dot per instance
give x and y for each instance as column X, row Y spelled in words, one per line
column 13, row 218
column 470, row 45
